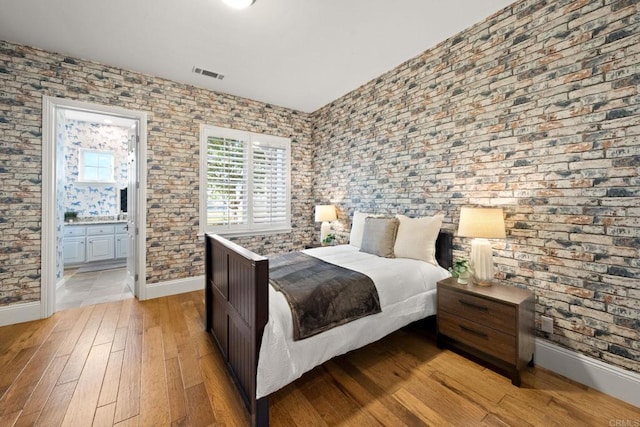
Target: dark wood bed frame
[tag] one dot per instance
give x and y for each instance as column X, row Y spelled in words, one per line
column 237, row 310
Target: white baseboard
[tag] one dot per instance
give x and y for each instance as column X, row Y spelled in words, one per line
column 174, row 287
column 599, row 375
column 18, row 313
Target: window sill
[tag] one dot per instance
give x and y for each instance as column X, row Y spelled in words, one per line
column 249, row 233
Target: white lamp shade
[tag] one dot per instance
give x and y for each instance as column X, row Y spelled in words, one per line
column 486, row 223
column 326, row 213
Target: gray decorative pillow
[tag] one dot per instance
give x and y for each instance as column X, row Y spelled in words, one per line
column 379, row 236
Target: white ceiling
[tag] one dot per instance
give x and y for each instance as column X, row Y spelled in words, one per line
column 300, row 54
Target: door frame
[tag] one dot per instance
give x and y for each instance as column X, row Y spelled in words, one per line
column 50, row 106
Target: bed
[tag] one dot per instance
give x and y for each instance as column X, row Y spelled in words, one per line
column 251, row 324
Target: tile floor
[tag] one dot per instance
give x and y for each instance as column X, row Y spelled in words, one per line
column 92, row 287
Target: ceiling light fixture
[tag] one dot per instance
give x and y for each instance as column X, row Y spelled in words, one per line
column 239, row 4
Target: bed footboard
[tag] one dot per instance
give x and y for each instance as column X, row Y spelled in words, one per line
column 237, row 310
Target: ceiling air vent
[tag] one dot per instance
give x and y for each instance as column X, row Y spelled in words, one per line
column 208, row 73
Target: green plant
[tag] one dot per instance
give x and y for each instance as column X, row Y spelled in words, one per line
column 460, row 266
column 70, row 216
column 329, row 239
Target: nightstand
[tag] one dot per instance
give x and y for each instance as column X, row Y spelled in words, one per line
column 494, row 323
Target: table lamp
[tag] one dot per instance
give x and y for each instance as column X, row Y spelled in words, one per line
column 324, row 214
column 482, row 224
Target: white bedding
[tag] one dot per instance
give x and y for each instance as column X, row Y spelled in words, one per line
column 406, row 288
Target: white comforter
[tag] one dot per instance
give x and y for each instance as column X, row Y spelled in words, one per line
column 406, row 288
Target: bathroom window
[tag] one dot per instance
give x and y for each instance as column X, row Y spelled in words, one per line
column 96, row 166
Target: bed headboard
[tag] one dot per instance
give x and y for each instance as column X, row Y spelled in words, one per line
column 444, row 249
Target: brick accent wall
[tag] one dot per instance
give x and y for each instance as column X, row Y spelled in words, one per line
column 536, row 110
column 175, row 113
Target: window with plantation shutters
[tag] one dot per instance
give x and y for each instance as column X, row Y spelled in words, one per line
column 245, row 182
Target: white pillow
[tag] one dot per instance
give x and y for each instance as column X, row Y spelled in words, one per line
column 416, row 238
column 357, row 228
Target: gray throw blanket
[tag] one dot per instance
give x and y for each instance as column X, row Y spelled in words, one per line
column 321, row 295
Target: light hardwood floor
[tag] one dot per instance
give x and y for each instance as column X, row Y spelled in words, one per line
column 150, row 363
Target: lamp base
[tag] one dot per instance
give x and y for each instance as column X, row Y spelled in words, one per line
column 325, row 229
column 479, row 283
column 482, row 262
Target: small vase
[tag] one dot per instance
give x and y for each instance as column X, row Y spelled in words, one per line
column 464, row 277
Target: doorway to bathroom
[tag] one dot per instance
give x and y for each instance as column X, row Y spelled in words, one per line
column 92, row 251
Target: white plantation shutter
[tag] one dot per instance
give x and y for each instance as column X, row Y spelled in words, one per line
column 270, row 195
column 227, row 190
column 247, row 181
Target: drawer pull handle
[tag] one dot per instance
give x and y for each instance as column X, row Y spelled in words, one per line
column 474, row 332
column 472, row 305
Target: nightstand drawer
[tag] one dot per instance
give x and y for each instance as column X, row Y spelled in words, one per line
column 478, row 310
column 483, row 338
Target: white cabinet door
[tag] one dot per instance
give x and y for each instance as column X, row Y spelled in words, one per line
column 122, row 244
column 100, row 248
column 73, row 249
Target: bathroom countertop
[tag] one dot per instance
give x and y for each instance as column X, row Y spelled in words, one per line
column 97, row 222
